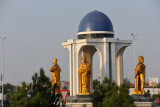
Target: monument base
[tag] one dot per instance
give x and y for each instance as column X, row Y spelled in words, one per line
column 146, row 104
column 79, row 100
column 141, row 98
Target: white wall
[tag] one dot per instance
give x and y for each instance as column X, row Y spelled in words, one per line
column 152, row 90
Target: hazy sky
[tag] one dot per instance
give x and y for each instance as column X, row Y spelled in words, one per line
column 35, row 30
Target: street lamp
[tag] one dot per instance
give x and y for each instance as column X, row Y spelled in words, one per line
column 134, row 42
column 2, row 38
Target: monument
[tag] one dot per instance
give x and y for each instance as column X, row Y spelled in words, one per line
column 139, row 77
column 55, row 69
column 95, row 33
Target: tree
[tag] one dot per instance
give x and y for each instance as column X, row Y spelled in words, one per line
column 36, row 94
column 108, row 94
column 155, row 96
column 65, row 88
column 40, row 83
column 41, row 92
column 19, row 98
column 95, row 83
column 8, row 88
column 148, row 93
column 127, row 82
column 99, row 93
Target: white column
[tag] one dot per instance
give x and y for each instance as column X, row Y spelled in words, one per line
column 91, row 80
column 106, row 59
column 120, row 65
column 70, row 69
column 119, row 69
column 73, row 66
column 79, row 61
column 113, row 62
column 105, row 62
column 76, row 71
column 102, row 72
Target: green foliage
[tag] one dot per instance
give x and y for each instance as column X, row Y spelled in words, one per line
column 38, row 101
column 95, row 83
column 127, row 82
column 148, row 93
column 40, row 83
column 19, row 98
column 65, row 88
column 155, row 96
column 108, row 94
column 36, row 94
column 99, row 93
column 8, row 88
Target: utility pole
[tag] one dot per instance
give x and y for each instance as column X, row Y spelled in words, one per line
column 2, row 38
column 134, row 43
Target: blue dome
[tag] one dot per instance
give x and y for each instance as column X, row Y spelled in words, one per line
column 95, row 22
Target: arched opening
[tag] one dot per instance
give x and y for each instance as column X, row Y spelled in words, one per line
column 93, row 56
column 96, row 69
column 96, row 65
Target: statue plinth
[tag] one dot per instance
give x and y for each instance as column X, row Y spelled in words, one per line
column 79, row 99
column 141, row 98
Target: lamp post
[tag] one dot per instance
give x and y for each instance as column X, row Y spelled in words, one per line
column 2, row 38
column 134, row 42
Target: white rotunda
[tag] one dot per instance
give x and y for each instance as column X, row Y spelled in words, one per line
column 96, row 33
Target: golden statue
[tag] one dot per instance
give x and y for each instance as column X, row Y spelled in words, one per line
column 139, row 77
column 55, row 69
column 84, row 72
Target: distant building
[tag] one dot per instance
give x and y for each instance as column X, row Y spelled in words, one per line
column 4, row 96
column 153, row 81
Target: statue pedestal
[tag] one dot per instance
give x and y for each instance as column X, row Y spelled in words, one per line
column 79, row 100
column 146, row 104
column 141, row 100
